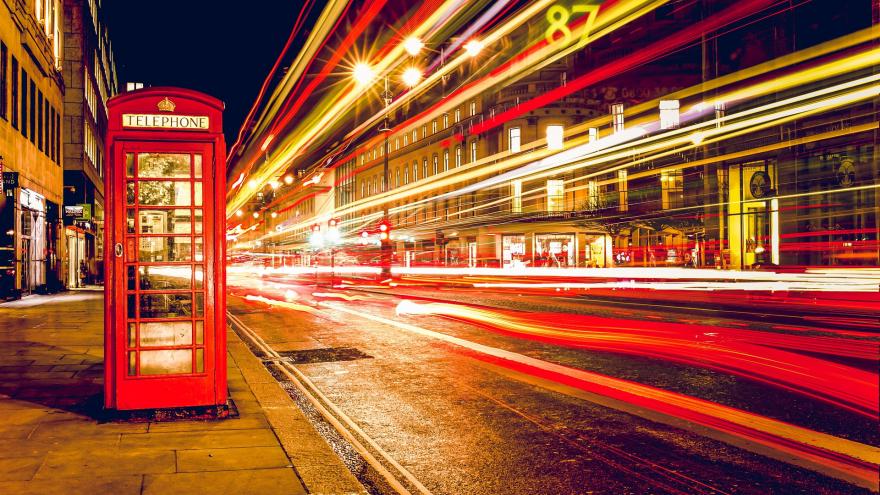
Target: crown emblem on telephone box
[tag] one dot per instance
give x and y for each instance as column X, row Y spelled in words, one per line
column 166, row 105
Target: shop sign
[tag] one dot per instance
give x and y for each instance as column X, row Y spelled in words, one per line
column 10, row 182
column 78, row 212
column 32, row 200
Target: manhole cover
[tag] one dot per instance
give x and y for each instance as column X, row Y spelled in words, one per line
column 325, row 355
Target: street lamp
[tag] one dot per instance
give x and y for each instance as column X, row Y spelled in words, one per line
column 333, row 238
column 413, row 45
column 411, row 76
column 473, row 47
column 363, row 73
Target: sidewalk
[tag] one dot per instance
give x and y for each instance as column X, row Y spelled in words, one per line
column 51, row 374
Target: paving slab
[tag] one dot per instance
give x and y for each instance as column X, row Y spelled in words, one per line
column 231, row 459
column 252, row 482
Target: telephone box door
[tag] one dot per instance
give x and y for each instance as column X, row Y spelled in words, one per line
column 164, row 263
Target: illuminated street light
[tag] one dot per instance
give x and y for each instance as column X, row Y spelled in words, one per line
column 252, row 184
column 473, row 47
column 274, row 214
column 274, row 184
column 363, row 73
column 412, row 76
column 413, row 45
column 288, row 179
column 239, row 213
column 256, row 215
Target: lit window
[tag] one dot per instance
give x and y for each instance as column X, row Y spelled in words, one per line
column 406, row 175
column 435, row 166
column 415, row 171
column 516, row 196
column 415, row 135
column 396, row 144
column 513, row 136
column 555, row 195
column 397, row 178
column 457, row 115
column 669, row 114
column 473, row 108
column 433, row 127
column 555, row 137
column 473, row 151
column 424, row 167
column 424, row 131
column 445, row 120
column 593, row 132
column 445, row 160
column 671, row 185
column 406, row 139
column 458, row 156
column 617, row 117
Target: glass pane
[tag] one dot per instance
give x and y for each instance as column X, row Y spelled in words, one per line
column 132, row 305
column 197, row 166
column 166, row 333
column 163, row 165
column 132, row 334
column 199, row 253
column 200, row 332
column 200, row 360
column 129, row 193
column 129, row 164
column 198, row 194
column 166, row 305
column 200, row 304
column 129, row 220
column 164, row 193
column 177, row 221
column 200, row 277
column 152, row 249
column 130, row 276
column 166, row 362
column 132, row 363
column 197, row 225
column 165, row 277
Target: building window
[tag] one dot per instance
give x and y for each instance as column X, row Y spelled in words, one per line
column 424, row 131
column 405, row 175
column 445, row 160
column 473, row 151
column 24, row 100
column 555, row 195
column 513, row 139
column 46, row 125
column 405, row 140
column 458, row 156
column 516, row 196
column 415, row 175
column 669, row 114
column 363, row 157
column 593, row 133
column 671, row 184
column 434, row 126
column 457, row 115
column 415, row 136
column 34, row 110
column 617, row 117
column 424, row 168
column 363, row 189
column 473, row 108
column 622, row 190
column 396, row 144
column 4, row 81
column 397, row 177
column 14, row 98
column 39, row 110
column 445, row 120
column 435, row 165
column 555, row 137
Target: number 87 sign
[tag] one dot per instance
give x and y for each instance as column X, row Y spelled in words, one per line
column 558, row 17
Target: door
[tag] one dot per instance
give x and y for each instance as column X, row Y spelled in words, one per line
column 164, row 320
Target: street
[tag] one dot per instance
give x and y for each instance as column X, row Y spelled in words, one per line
column 487, row 391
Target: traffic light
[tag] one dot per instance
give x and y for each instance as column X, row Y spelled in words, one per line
column 384, row 231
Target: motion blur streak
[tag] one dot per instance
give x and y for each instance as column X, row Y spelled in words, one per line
column 722, row 349
column 856, row 459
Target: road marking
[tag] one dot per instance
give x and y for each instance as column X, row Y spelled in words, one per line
column 843, row 455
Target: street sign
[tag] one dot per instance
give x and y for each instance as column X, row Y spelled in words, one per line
column 10, row 182
column 73, row 211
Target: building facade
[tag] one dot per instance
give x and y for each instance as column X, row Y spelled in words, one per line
column 753, row 147
column 31, row 109
column 90, row 77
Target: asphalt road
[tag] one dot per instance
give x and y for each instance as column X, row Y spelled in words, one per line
column 474, row 406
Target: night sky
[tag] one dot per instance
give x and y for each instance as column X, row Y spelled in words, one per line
column 203, row 45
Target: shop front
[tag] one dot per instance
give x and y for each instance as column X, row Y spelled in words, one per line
column 555, row 250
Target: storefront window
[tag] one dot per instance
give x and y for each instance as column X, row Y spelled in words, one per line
column 555, row 250
column 513, row 251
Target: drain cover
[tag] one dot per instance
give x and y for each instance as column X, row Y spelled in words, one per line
column 325, row 355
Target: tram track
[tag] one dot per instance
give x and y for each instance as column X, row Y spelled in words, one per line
column 402, row 483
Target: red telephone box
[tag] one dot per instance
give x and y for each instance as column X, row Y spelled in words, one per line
column 165, row 188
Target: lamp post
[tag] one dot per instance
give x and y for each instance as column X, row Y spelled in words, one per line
column 333, row 240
